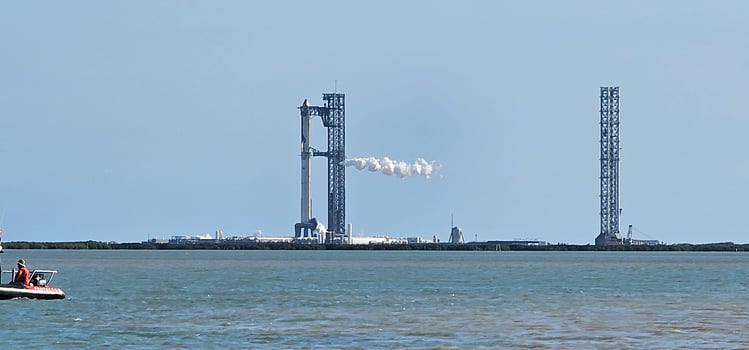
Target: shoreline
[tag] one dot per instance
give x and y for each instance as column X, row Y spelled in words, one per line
column 479, row 246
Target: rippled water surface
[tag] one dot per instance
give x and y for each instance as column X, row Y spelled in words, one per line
column 383, row 300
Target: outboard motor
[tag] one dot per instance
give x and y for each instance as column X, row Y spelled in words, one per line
column 38, row 280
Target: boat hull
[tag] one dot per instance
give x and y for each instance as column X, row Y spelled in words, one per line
column 8, row 291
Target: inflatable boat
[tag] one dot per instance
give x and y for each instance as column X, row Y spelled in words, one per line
column 38, row 287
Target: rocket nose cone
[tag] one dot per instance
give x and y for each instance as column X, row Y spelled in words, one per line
column 305, row 103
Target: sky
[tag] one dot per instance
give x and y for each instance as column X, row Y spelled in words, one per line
column 129, row 120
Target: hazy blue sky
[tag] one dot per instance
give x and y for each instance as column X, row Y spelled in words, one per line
column 124, row 120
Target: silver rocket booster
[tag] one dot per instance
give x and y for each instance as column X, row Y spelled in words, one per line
column 306, row 153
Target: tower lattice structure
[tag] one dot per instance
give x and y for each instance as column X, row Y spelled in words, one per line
column 335, row 121
column 609, row 167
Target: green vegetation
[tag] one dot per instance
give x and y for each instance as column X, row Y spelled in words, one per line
column 57, row 245
column 238, row 245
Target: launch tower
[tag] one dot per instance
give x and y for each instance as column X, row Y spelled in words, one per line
column 333, row 115
column 609, row 167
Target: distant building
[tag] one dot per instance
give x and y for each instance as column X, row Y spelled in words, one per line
column 643, row 242
column 378, row 240
column 456, row 235
column 519, row 242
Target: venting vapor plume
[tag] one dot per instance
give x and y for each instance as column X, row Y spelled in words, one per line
column 389, row 166
column 321, row 228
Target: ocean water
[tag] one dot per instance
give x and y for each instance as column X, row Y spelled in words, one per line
column 383, row 300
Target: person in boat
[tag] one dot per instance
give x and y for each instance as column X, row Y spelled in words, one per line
column 23, row 274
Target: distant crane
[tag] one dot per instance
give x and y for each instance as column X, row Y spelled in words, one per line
column 631, row 241
column 629, row 235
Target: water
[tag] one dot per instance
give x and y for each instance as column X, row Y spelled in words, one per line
column 383, row 300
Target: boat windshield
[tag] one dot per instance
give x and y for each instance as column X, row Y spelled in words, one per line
column 38, row 277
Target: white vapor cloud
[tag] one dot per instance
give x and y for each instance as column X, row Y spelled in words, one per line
column 389, row 166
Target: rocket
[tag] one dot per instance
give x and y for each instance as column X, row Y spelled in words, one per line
column 306, row 155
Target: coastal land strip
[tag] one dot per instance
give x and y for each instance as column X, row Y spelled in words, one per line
column 471, row 246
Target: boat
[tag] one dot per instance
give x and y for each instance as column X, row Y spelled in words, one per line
column 38, row 287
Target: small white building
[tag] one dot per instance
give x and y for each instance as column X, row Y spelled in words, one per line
column 378, row 240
